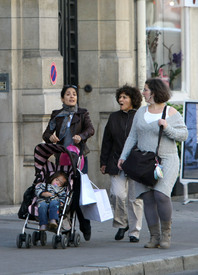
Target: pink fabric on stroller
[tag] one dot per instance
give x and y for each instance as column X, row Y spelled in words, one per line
column 33, row 208
column 65, row 160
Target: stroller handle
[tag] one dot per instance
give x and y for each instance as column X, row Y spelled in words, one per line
column 82, row 147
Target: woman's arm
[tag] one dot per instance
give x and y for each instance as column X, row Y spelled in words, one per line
column 49, row 135
column 175, row 127
column 131, row 141
column 87, row 129
column 107, row 144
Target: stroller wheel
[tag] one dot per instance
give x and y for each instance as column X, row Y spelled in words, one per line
column 35, row 237
column 55, row 241
column 19, row 240
column 64, row 241
column 28, row 241
column 43, row 238
column 76, row 239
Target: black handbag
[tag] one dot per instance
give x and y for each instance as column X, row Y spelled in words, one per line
column 140, row 165
column 27, row 200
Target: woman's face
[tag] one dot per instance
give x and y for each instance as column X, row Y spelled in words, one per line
column 70, row 97
column 147, row 94
column 125, row 102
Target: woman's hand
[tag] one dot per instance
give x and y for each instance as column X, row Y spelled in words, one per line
column 76, row 139
column 162, row 122
column 54, row 139
column 120, row 162
column 102, row 169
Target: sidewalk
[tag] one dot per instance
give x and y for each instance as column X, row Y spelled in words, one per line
column 105, row 256
column 9, row 209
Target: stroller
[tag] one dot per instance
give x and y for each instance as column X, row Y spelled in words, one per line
column 28, row 210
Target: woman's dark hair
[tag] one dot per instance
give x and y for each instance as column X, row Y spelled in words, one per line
column 65, row 87
column 132, row 92
column 56, row 175
column 159, row 89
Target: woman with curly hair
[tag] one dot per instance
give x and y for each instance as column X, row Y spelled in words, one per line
column 127, row 210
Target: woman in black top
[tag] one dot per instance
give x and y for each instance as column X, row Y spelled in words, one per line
column 122, row 188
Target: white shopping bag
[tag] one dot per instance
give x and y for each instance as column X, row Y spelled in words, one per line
column 87, row 194
column 101, row 210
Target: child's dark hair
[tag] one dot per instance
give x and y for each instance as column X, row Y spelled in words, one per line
column 57, row 174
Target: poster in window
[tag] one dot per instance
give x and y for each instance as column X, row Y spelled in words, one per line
column 189, row 163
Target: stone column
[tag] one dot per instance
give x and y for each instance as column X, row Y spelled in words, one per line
column 193, row 51
column 106, row 61
column 141, row 42
column 30, row 45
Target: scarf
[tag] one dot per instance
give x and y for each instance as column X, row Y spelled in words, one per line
column 67, row 113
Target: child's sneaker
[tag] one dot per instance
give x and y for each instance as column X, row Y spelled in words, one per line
column 53, row 225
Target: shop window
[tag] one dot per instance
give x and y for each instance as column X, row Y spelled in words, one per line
column 163, row 41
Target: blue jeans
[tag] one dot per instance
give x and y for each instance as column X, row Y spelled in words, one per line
column 48, row 211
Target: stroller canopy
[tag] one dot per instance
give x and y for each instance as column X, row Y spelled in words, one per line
column 42, row 165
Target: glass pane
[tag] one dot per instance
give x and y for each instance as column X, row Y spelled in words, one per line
column 163, row 30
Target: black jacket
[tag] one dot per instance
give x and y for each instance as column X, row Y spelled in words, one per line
column 80, row 125
column 115, row 134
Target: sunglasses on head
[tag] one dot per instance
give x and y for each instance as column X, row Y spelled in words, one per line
column 71, row 86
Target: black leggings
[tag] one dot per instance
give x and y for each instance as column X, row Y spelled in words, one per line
column 157, row 207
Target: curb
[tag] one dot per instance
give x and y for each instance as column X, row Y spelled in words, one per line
column 9, row 209
column 145, row 265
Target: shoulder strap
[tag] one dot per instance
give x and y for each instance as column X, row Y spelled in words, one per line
column 161, row 130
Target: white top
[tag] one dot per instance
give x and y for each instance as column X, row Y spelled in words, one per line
column 149, row 117
column 69, row 120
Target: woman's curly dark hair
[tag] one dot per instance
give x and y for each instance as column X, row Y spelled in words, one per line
column 159, row 89
column 134, row 94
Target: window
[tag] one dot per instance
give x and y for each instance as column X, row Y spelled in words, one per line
column 163, row 33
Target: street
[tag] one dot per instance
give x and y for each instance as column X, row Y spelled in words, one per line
column 101, row 249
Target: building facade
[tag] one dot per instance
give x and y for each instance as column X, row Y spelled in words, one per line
column 99, row 44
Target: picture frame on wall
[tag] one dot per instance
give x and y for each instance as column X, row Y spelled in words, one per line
column 189, row 150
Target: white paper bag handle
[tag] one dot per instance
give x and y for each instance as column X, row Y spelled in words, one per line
column 89, row 179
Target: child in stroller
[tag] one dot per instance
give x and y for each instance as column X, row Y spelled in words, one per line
column 45, row 172
column 50, row 196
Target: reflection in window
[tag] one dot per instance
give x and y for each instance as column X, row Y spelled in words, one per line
column 163, row 30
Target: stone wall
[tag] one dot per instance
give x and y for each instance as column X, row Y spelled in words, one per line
column 107, row 56
column 106, row 61
column 28, row 46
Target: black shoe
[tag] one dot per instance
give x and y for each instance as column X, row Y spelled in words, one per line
column 87, row 235
column 133, row 239
column 120, row 234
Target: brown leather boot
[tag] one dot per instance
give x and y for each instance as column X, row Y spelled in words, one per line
column 166, row 234
column 155, row 237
